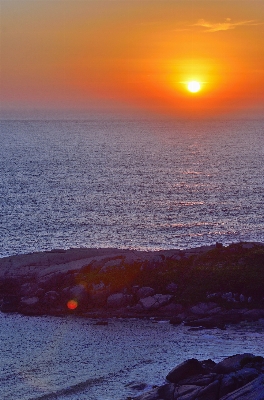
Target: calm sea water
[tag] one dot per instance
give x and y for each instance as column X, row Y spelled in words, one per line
column 72, row 359
column 130, row 184
column 126, row 184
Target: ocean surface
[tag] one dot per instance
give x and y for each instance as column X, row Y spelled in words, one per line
column 126, row 184
column 130, row 184
column 48, row 358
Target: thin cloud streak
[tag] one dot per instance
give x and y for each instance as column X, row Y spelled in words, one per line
column 224, row 26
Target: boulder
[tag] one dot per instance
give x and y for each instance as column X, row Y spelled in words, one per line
column 233, row 363
column 235, row 380
column 30, row 306
column 119, row 300
column 155, row 302
column 209, row 392
column 241, row 378
column 185, row 392
column 145, row 291
column 185, row 370
column 29, row 301
column 254, row 390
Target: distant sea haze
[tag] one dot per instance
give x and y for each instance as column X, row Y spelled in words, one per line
column 130, row 184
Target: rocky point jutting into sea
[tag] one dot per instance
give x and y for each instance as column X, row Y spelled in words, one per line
column 202, row 288
column 205, row 287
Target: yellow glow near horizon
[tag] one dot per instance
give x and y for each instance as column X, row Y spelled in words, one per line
column 194, row 86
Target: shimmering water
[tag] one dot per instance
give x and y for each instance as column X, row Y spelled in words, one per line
column 130, row 184
column 69, row 358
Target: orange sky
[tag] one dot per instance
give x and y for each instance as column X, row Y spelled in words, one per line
column 123, row 56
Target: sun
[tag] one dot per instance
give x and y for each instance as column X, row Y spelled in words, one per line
column 194, row 86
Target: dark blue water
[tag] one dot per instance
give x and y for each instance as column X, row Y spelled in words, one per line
column 48, row 358
column 130, row 184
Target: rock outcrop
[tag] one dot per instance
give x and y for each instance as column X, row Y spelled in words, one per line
column 205, row 287
column 240, row 377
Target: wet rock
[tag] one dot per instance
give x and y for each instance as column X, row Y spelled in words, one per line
column 237, row 379
column 254, row 390
column 241, row 378
column 231, row 364
column 185, row 370
column 209, row 392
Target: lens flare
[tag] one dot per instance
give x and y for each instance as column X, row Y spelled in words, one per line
column 72, row 304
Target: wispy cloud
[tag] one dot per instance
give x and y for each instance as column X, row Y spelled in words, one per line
column 224, row 26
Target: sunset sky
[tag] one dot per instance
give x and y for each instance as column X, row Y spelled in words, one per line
column 125, row 56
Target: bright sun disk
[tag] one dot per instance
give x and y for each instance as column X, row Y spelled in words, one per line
column 194, row 86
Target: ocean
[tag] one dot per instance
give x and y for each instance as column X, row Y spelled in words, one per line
column 144, row 184
column 71, row 358
column 126, row 184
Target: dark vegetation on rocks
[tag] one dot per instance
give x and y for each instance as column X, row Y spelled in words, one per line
column 239, row 377
column 202, row 287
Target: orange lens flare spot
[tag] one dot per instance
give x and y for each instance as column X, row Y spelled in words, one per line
column 72, row 304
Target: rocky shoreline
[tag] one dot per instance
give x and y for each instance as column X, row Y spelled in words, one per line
column 239, row 377
column 205, row 287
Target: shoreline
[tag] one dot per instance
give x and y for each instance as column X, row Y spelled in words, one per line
column 176, row 285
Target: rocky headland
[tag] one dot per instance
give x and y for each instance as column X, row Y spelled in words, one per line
column 239, row 377
column 203, row 287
